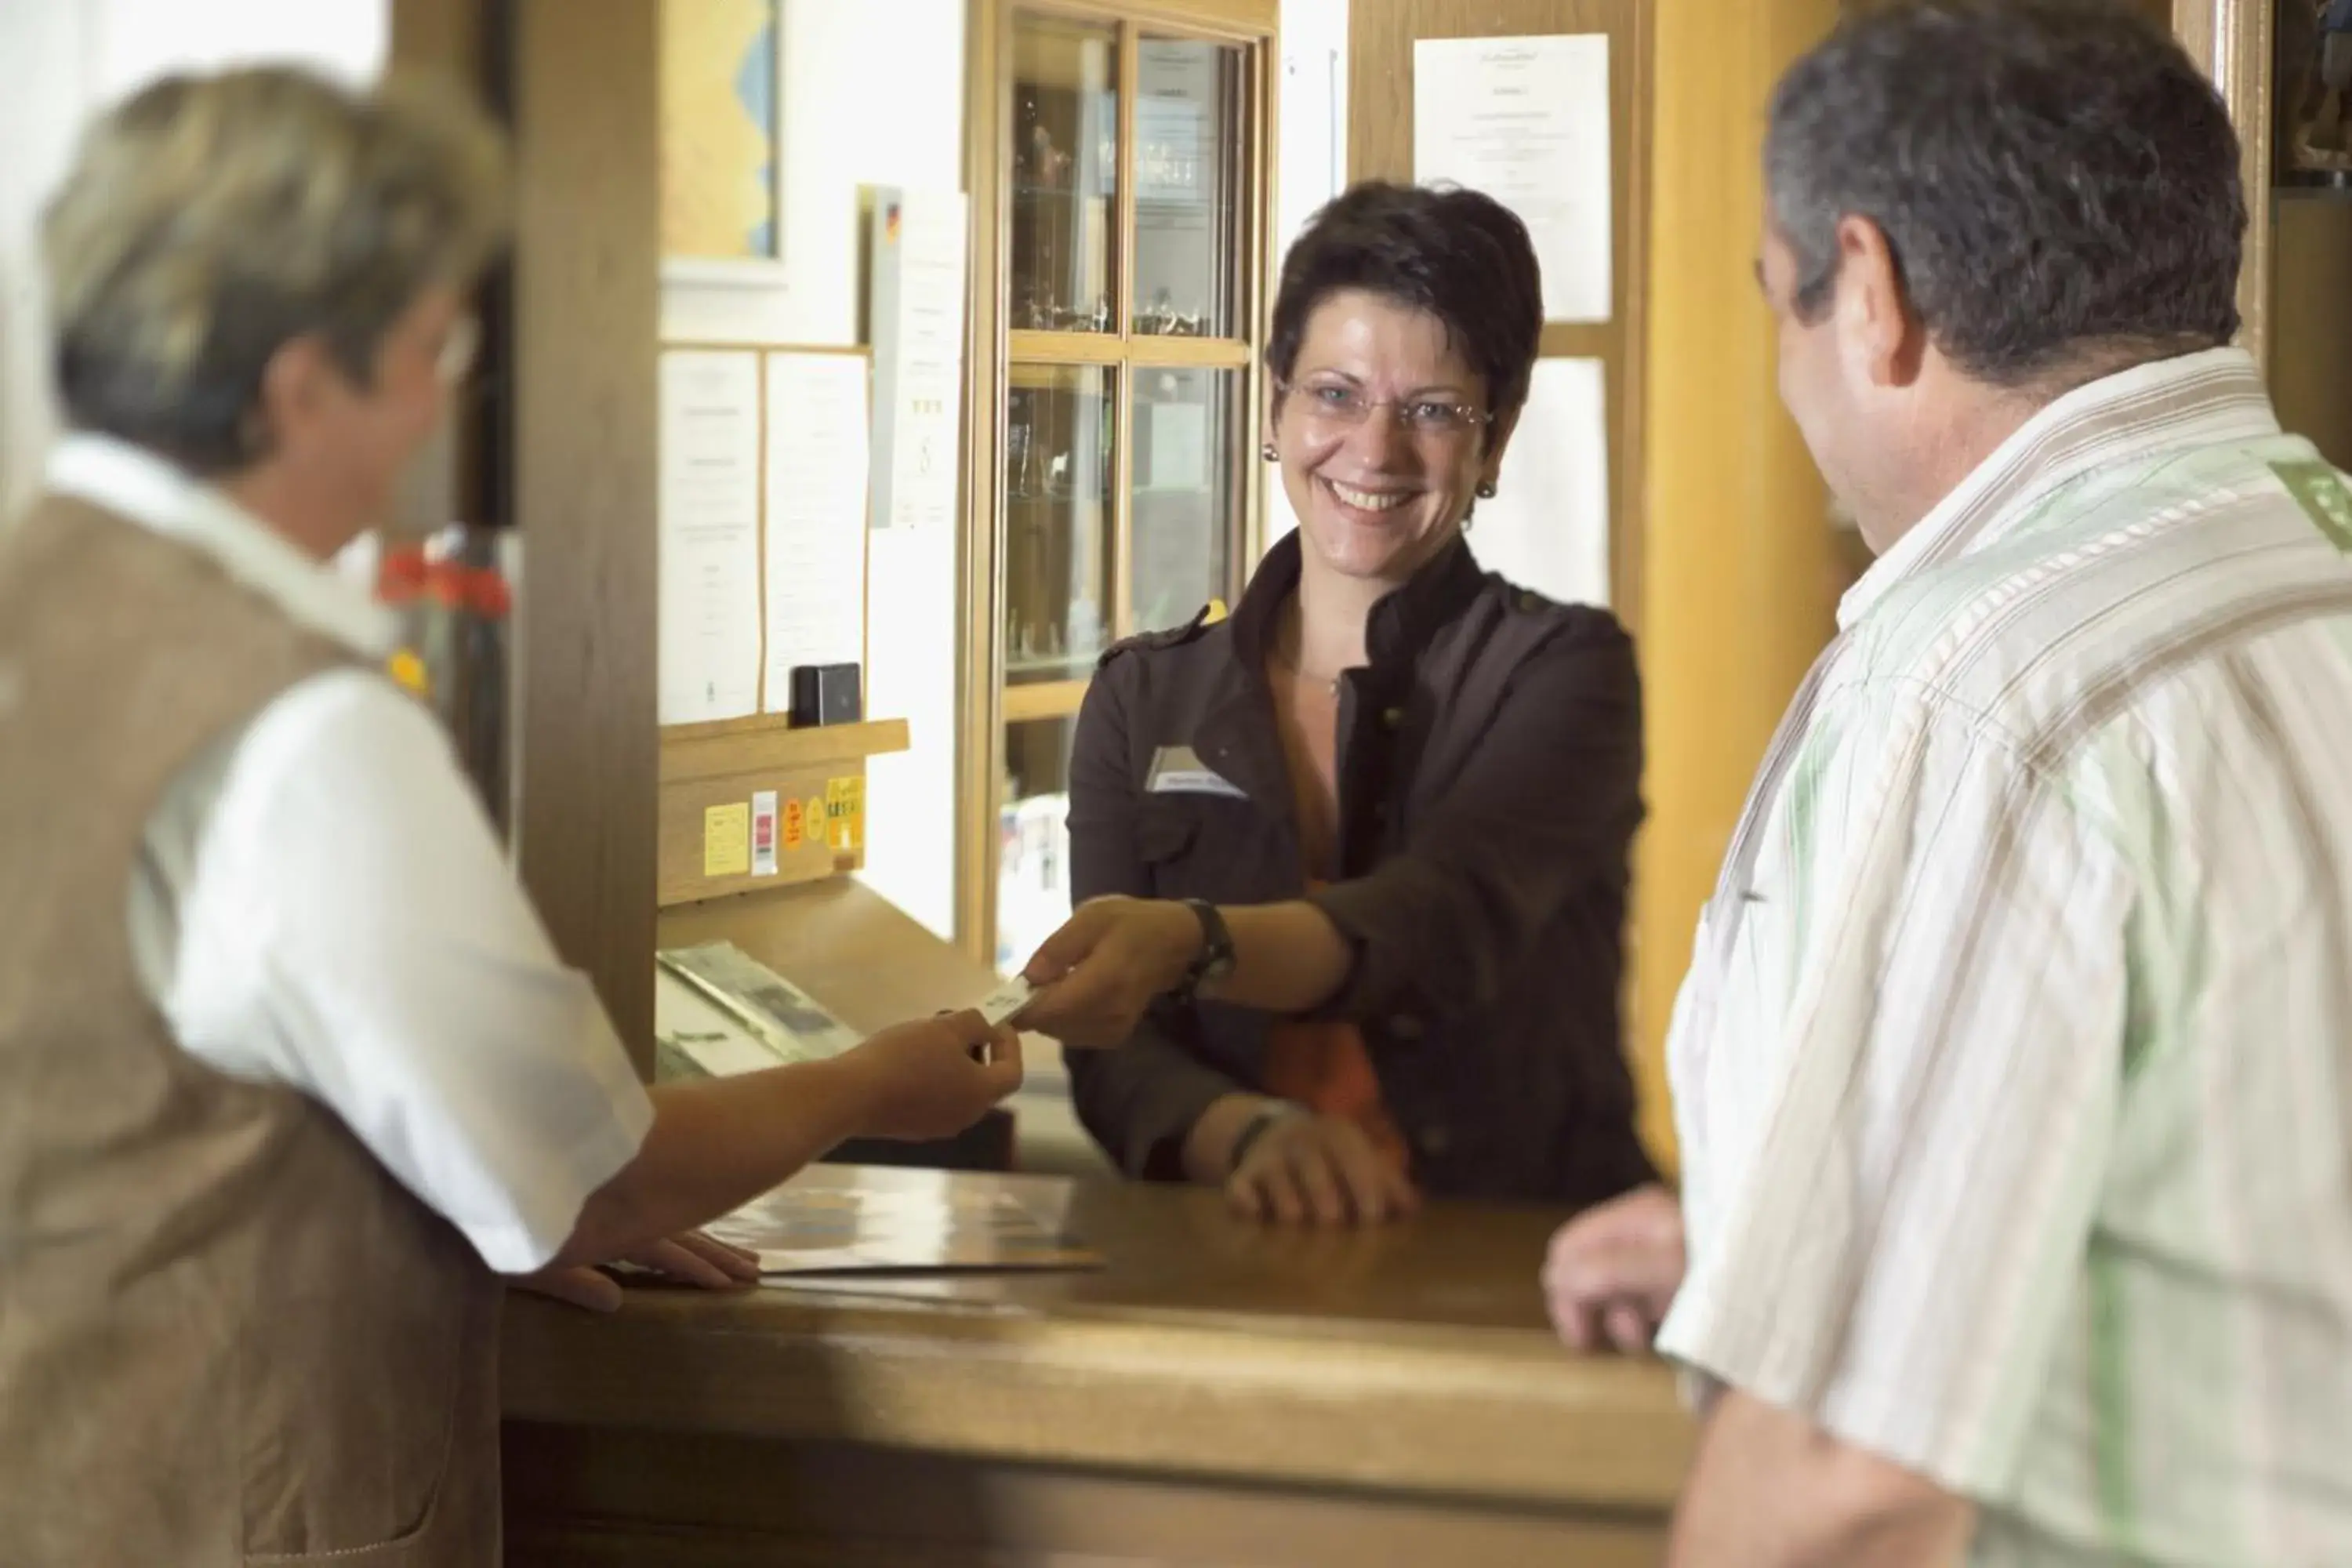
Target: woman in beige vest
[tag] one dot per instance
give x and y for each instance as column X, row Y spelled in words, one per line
column 289, row 1074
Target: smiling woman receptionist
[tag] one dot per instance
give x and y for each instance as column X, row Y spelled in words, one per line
column 1356, row 860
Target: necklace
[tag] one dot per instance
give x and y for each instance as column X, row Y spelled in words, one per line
column 1290, row 661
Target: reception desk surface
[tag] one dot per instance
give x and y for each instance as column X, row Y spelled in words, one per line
column 1220, row 1391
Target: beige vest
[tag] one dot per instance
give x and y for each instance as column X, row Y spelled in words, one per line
column 226, row 1334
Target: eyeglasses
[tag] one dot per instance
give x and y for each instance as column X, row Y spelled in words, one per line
column 1334, row 405
column 457, row 350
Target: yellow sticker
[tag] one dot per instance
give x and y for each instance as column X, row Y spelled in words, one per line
column 844, row 813
column 796, row 825
column 813, row 830
column 727, row 840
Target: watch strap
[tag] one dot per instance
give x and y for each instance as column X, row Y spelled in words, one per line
column 1215, row 959
column 1266, row 1116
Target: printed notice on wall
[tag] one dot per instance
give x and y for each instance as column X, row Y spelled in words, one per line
column 709, row 554
column 1527, row 121
column 918, row 335
column 1548, row 526
column 817, row 432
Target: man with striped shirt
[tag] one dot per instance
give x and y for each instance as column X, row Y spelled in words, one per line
column 2013, row 1072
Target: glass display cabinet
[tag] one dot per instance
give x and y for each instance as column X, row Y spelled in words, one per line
column 1121, row 194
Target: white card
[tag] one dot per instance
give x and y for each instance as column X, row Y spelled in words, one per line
column 1004, row 1004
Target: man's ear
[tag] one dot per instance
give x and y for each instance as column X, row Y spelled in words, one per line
column 296, row 384
column 1878, row 331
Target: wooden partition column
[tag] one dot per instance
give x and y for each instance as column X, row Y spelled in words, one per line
column 1739, row 593
column 581, row 385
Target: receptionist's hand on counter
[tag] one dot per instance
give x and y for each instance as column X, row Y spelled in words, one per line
column 1613, row 1270
column 1300, row 1168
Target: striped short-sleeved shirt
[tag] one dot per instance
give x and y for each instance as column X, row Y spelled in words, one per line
column 2013, row 1072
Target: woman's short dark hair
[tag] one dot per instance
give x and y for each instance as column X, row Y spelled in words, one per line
column 1460, row 256
column 2055, row 178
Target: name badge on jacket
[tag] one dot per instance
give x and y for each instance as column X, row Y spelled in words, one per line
column 1178, row 770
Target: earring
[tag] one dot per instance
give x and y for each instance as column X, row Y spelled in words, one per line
column 1486, row 490
column 1269, row 454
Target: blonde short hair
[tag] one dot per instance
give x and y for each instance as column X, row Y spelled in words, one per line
column 209, row 220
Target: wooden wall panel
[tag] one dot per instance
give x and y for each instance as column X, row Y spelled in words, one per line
column 586, row 304
column 1740, row 584
column 2311, row 300
column 437, row 35
column 1381, row 35
column 2232, row 40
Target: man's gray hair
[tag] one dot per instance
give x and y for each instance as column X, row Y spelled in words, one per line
column 2057, row 182
column 209, row 220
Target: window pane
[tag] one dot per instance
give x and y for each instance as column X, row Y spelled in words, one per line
column 1185, row 482
column 1189, row 195
column 1064, row 188
column 1033, row 862
column 1057, row 488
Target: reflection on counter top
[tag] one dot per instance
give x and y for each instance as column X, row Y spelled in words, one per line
column 1352, row 1392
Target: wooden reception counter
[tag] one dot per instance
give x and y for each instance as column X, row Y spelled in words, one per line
column 1221, row 1392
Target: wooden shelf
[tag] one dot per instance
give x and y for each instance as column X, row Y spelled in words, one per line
column 1109, row 349
column 771, row 744
column 1066, row 348
column 1027, row 703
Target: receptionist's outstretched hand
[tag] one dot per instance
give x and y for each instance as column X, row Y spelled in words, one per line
column 1097, row 973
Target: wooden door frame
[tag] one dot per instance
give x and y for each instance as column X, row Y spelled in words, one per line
column 2233, row 42
column 579, row 388
column 980, row 699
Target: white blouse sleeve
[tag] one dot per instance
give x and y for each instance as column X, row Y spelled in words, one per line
column 349, row 926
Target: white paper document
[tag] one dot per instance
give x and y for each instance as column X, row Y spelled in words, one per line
column 1548, row 526
column 1175, row 120
column 1527, row 121
column 709, row 559
column 817, row 453
column 918, row 335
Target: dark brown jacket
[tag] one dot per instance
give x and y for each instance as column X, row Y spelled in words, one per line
column 228, row 1335
column 1489, row 760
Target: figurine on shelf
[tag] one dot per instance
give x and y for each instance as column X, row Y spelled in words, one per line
column 1102, row 313
column 1161, row 318
column 1048, row 164
column 1034, row 313
column 1024, row 168
column 1016, row 453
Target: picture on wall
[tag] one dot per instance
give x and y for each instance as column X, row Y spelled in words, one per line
column 720, row 198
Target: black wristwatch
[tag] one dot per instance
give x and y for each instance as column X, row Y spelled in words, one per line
column 1215, row 959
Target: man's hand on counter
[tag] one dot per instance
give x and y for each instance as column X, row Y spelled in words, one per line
column 933, row 1077
column 688, row 1258
column 1613, row 1272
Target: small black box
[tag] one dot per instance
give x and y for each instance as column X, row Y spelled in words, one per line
column 825, row 694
